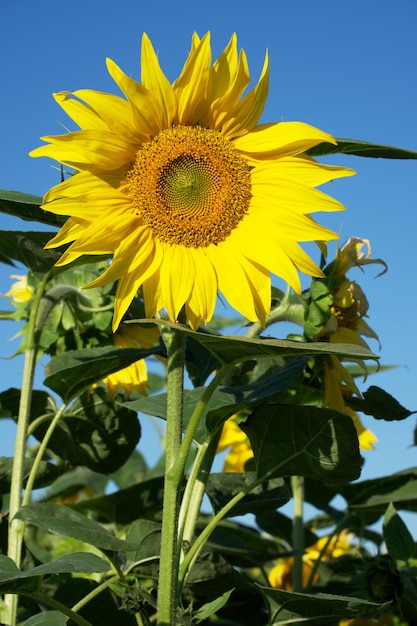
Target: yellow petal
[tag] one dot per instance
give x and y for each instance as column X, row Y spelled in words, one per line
column 113, row 110
column 281, row 140
column 232, row 280
column 177, row 278
column 245, row 115
column 156, row 82
column 309, row 172
column 146, row 110
column 83, row 115
column 90, row 150
column 191, row 86
column 202, row 300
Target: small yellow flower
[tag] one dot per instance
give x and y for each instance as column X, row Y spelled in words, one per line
column 281, row 575
column 240, row 449
column 20, row 291
column 185, row 190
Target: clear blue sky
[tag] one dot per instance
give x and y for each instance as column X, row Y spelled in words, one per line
column 348, row 68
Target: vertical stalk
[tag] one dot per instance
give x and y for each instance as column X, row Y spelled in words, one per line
column 297, row 483
column 16, row 527
column 169, row 558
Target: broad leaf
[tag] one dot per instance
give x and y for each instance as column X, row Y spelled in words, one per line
column 94, row 432
column 399, row 541
column 237, row 349
column 49, row 618
column 303, row 441
column 380, row 404
column 286, row 607
column 242, row 545
column 363, row 149
column 75, row 562
column 27, row 207
column 57, row 518
column 69, row 374
column 28, row 248
column 127, row 505
column 279, row 525
column 46, row 473
column 222, row 487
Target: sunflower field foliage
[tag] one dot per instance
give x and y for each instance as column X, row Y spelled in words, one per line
column 161, row 291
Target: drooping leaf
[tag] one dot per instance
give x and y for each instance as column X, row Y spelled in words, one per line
column 222, row 487
column 28, row 248
column 46, row 474
column 237, row 349
column 279, row 525
column 47, row 618
column 58, row 518
column 77, row 562
column 399, row 541
column 380, row 404
column 127, row 505
column 69, row 374
column 146, row 534
column 241, row 545
column 95, row 432
column 27, row 207
column 363, row 149
column 303, row 441
column 287, row 607
column 371, row 497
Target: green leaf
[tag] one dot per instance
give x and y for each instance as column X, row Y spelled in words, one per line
column 95, row 432
column 222, row 487
column 237, row 349
column 69, row 563
column 57, row 518
column 146, row 534
column 286, row 607
column 210, row 608
column 49, row 618
column 303, row 441
column 363, row 149
column 127, row 505
column 27, row 207
column 45, row 475
column 279, row 525
column 380, row 404
column 72, row 372
column 241, row 545
column 374, row 495
column 399, row 541
column 28, row 248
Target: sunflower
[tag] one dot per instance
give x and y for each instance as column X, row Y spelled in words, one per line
column 182, row 187
column 346, row 324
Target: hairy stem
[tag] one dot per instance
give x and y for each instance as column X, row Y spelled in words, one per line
column 297, row 484
column 168, row 566
column 16, row 527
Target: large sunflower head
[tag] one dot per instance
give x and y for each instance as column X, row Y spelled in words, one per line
column 182, row 187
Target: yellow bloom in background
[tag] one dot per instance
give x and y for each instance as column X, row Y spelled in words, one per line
column 240, row 449
column 185, row 190
column 347, row 325
column 135, row 376
column 281, row 575
column 20, row 291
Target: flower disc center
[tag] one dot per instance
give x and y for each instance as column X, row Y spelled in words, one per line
column 190, row 185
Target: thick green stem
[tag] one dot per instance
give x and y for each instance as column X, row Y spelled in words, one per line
column 169, row 559
column 297, row 483
column 16, row 527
